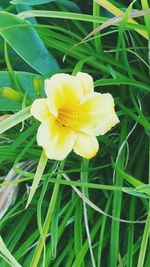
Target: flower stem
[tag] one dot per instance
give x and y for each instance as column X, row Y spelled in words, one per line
column 47, row 222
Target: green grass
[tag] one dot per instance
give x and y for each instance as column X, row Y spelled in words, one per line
column 79, row 213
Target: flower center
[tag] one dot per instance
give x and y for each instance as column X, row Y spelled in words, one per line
column 67, row 118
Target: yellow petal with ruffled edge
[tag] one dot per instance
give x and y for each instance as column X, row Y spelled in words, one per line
column 72, row 115
column 47, row 132
column 62, row 144
column 86, row 146
column 97, row 114
column 63, row 90
column 86, row 81
column 57, row 141
column 39, row 109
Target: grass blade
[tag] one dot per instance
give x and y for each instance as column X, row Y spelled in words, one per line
column 4, row 250
column 37, row 177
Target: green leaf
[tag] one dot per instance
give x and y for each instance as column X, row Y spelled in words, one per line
column 33, row 2
column 39, row 172
column 143, row 188
column 4, row 3
column 26, row 84
column 4, row 250
column 66, row 3
column 9, row 105
column 145, row 5
column 14, row 119
column 26, row 42
column 22, row 7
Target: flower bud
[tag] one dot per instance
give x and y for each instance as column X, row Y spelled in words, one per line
column 37, row 83
column 10, row 93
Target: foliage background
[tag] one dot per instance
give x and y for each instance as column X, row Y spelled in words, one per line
column 38, row 39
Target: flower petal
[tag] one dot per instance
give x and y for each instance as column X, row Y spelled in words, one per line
column 47, row 132
column 61, row 146
column 97, row 114
column 39, row 109
column 57, row 141
column 86, row 146
column 63, row 90
column 86, row 81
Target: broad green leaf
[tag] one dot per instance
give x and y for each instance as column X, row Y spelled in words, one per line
column 9, row 105
column 66, row 3
column 4, row 3
column 34, row 2
column 26, row 42
column 26, row 85
column 22, row 7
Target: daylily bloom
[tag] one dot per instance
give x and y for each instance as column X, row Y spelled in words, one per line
column 72, row 115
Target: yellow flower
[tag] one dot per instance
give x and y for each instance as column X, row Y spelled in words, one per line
column 72, row 116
